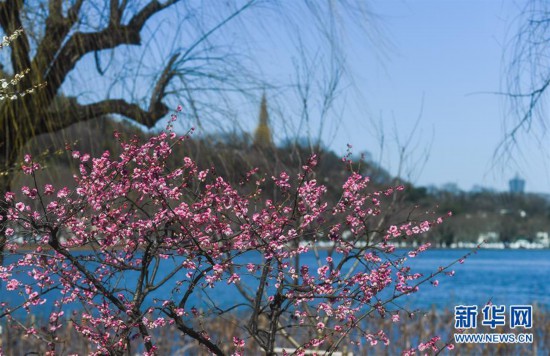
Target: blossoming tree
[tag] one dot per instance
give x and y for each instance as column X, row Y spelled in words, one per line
column 137, row 246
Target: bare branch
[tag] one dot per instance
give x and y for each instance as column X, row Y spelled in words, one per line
column 159, row 91
column 57, row 28
column 157, row 109
column 80, row 113
column 528, row 74
column 114, row 35
column 115, row 13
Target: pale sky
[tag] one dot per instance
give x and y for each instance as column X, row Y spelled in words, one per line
column 448, row 58
column 438, row 66
column 446, row 62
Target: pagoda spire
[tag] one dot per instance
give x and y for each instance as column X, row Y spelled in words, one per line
column 262, row 135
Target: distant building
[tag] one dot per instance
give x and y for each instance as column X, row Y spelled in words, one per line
column 262, row 136
column 517, row 185
column 542, row 238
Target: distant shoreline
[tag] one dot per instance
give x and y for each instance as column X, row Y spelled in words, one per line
column 326, row 245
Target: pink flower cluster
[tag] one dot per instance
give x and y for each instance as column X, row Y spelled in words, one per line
column 134, row 225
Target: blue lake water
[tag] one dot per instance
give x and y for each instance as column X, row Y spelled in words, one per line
column 502, row 276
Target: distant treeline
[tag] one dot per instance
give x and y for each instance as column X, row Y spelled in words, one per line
column 502, row 216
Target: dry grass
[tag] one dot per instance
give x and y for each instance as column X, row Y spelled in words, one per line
column 405, row 334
